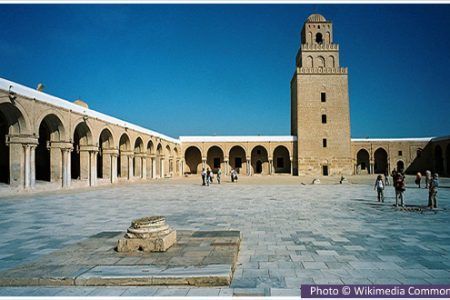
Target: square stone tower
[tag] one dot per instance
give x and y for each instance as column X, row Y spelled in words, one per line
column 320, row 116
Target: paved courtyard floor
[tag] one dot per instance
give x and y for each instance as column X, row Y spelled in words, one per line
column 292, row 233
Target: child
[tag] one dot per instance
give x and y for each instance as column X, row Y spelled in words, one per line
column 380, row 187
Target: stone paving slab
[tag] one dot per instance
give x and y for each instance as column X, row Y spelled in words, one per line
column 199, row 258
column 280, row 225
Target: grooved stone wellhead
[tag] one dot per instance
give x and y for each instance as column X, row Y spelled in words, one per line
column 148, row 234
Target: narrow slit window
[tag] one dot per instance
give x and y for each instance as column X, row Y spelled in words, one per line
column 323, row 97
column 324, row 119
column 324, row 143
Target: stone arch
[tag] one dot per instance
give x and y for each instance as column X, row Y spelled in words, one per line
column 281, row 160
column 238, row 159
column 438, row 159
column 363, row 162
column 137, row 159
column 139, row 145
column 215, row 158
column 309, row 62
column 259, row 160
column 12, row 121
column 48, row 160
column 105, row 142
column 193, row 160
column 15, row 117
column 122, row 159
column 150, row 147
column 380, row 161
column 82, row 136
column 319, row 38
column 320, row 62
column 331, row 61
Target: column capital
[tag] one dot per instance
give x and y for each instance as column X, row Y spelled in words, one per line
column 127, row 153
column 90, row 148
column 111, row 151
column 62, row 145
column 142, row 155
column 21, row 139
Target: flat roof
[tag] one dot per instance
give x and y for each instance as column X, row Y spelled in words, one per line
column 19, row 89
column 421, row 139
column 239, row 138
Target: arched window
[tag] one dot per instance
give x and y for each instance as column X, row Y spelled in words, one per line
column 319, row 38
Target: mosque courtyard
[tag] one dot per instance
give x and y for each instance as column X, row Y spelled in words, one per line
column 292, row 233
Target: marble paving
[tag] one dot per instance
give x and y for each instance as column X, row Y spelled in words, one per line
column 292, row 233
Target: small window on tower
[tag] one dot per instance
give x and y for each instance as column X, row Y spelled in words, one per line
column 323, row 97
column 324, row 143
column 324, row 119
column 319, row 38
column 400, row 153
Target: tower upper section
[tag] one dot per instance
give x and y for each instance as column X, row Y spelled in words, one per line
column 318, row 53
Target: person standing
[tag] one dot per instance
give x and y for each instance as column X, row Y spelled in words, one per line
column 386, row 178
column 433, row 189
column 427, row 178
column 399, row 184
column 418, row 179
column 203, row 176
column 219, row 174
column 379, row 186
column 208, row 176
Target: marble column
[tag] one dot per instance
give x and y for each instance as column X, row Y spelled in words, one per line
column 292, row 166
column 130, row 167
column 114, row 167
column 153, row 168
column 271, row 166
column 33, row 166
column 93, row 168
column 227, row 166
column 27, row 166
column 143, row 167
column 161, row 168
column 204, row 163
column 66, row 167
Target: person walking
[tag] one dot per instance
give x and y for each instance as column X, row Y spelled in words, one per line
column 233, row 175
column 386, row 178
column 208, row 176
column 399, row 185
column 219, row 174
column 433, row 189
column 203, row 176
column 393, row 175
column 427, row 178
column 418, row 179
column 211, row 178
column 379, row 186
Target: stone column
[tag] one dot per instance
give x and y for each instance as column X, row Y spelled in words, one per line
column 27, row 174
column 33, row 166
column 143, row 167
column 130, row 167
column 249, row 166
column 161, row 167
column 93, row 168
column 204, row 163
column 66, row 167
column 114, row 167
column 153, row 167
column 270, row 166
column 226, row 161
column 292, row 166
column 20, row 159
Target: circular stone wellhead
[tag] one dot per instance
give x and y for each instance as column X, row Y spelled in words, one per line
column 148, row 227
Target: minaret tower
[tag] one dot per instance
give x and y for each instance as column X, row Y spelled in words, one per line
column 320, row 116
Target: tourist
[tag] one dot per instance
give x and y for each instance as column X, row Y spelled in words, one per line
column 208, row 176
column 219, row 173
column 393, row 174
column 418, row 179
column 427, row 178
column 211, row 177
column 386, row 178
column 379, row 186
column 399, row 185
column 203, row 176
column 233, row 174
column 432, row 195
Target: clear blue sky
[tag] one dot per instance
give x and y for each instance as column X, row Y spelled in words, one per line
column 226, row 69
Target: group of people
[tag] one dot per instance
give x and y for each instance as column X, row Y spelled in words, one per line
column 208, row 176
column 398, row 181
